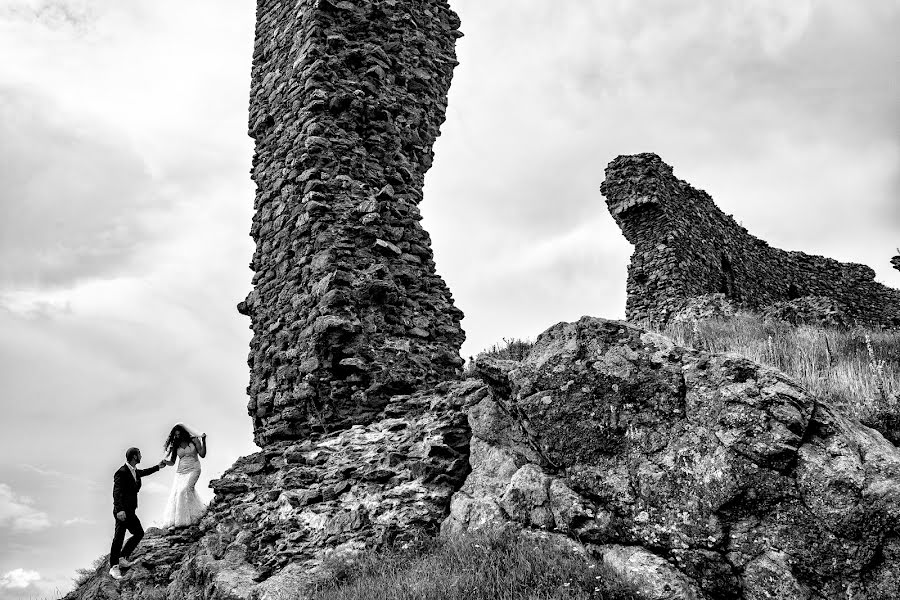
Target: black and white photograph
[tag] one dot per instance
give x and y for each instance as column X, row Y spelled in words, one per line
column 449, row 300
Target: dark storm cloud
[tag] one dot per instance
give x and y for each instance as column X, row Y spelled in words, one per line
column 72, row 197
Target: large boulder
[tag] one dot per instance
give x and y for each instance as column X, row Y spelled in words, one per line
column 693, row 475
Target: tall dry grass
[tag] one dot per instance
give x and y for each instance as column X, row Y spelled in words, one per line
column 488, row 567
column 857, row 369
column 509, row 349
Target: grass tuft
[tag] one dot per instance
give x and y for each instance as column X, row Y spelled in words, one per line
column 509, row 349
column 499, row 566
column 82, row 576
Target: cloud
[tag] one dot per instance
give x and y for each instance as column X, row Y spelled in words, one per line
column 55, row 15
column 17, row 512
column 778, row 109
column 103, row 142
column 79, row 521
column 18, row 579
column 73, row 197
column 58, row 476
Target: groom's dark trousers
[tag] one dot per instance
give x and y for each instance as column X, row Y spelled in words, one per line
column 125, row 492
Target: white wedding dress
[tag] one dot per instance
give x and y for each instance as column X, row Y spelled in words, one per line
column 184, row 506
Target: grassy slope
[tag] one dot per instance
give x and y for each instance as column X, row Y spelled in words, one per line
column 488, row 567
column 856, row 369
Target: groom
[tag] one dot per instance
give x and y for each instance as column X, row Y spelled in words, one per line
column 126, row 485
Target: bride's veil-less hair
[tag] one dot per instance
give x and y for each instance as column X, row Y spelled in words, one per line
column 179, row 434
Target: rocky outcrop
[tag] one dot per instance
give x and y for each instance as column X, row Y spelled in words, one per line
column 694, row 475
column 278, row 513
column 684, row 246
column 346, row 102
column 896, row 262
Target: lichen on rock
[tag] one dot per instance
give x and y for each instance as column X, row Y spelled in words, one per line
column 722, row 475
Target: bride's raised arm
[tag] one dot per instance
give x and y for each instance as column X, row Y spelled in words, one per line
column 200, row 443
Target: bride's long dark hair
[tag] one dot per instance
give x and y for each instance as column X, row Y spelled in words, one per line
column 177, row 436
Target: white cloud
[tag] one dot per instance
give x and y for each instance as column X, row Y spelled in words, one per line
column 79, row 521
column 19, row 579
column 58, row 477
column 74, row 194
column 17, row 512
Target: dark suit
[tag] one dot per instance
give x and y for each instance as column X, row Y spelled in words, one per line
column 125, row 493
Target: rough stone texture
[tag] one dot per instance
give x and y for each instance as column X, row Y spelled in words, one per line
column 684, row 246
column 704, row 476
column 809, row 310
column 700, row 308
column 278, row 513
column 346, row 102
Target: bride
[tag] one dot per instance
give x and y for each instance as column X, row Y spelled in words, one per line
column 184, row 506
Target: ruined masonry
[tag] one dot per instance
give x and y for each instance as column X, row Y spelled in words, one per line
column 685, row 247
column 347, row 310
column 689, row 474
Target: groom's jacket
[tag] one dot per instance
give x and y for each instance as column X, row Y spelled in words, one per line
column 126, row 488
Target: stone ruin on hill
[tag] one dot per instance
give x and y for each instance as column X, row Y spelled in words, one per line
column 347, row 310
column 693, row 475
column 685, row 247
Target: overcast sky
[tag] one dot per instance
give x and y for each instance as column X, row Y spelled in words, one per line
column 125, row 203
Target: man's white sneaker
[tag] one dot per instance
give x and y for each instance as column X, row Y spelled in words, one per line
column 124, row 563
column 115, row 573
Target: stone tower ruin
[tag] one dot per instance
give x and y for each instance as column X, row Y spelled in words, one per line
column 685, row 247
column 347, row 98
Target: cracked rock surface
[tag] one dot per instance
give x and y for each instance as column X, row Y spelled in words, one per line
column 694, row 475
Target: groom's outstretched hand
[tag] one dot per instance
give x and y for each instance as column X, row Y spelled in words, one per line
column 162, row 464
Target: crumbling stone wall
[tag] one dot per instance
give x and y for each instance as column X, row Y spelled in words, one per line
column 346, row 102
column 684, row 247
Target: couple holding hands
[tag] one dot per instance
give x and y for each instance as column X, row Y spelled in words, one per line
column 184, row 506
